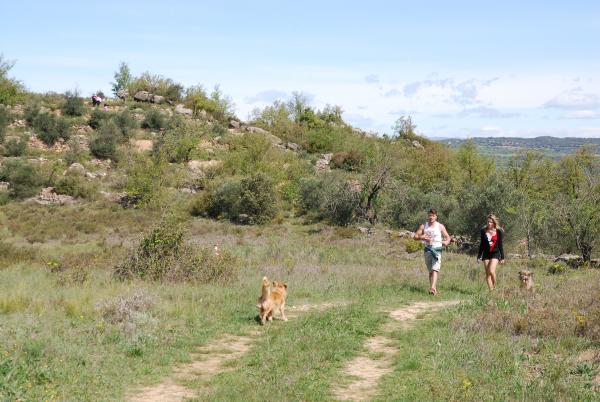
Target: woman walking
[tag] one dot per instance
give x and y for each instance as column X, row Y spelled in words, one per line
column 491, row 249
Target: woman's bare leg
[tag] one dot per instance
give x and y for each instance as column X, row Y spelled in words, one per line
column 488, row 275
column 492, row 271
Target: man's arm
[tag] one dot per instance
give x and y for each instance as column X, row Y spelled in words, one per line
column 419, row 233
column 446, row 236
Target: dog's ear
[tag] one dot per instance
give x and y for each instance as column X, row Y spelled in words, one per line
column 285, row 285
column 275, row 283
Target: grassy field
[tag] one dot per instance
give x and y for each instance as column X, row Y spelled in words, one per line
column 71, row 332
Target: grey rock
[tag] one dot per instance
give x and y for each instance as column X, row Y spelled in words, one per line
column 572, row 260
column 158, row 99
column 181, row 109
column 122, row 94
column 234, row 124
column 292, row 146
column 142, row 96
column 417, row 144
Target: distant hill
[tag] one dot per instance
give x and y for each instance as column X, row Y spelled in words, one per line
column 504, row 148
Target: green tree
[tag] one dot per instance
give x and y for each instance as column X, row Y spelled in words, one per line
column 10, row 89
column 122, row 78
column 576, row 206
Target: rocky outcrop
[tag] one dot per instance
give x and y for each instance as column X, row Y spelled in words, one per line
column 143, row 96
column 417, row 144
column 76, row 169
column 4, row 186
column 142, row 145
column 181, row 109
column 322, row 164
column 234, row 124
column 197, row 166
column 49, row 196
column 122, row 94
column 292, row 146
column 572, row 260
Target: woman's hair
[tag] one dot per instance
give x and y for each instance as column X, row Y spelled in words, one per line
column 495, row 220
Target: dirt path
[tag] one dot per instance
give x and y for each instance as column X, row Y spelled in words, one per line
column 208, row 361
column 368, row 368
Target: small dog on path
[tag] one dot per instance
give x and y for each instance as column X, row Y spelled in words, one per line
column 526, row 280
column 271, row 299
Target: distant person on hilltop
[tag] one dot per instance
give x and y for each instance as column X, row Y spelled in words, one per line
column 491, row 249
column 96, row 100
column 434, row 235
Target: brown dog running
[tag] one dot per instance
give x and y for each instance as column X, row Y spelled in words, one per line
column 264, row 301
column 526, row 279
column 271, row 300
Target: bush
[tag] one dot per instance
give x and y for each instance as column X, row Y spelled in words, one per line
column 145, row 178
column 330, row 197
column 96, row 118
column 75, row 186
column 557, row 269
column 104, row 143
column 11, row 90
column 320, row 141
column 25, row 181
column 126, row 124
column 74, row 105
column 350, row 161
column 310, row 195
column 412, row 245
column 162, row 255
column 32, row 109
column 4, row 119
column 51, row 128
column 157, row 85
column 16, row 147
column 154, row 120
column 249, row 200
column 178, row 143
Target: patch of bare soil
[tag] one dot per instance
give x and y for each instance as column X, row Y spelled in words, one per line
column 376, row 361
column 207, row 362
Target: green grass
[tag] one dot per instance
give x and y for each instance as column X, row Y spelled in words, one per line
column 57, row 342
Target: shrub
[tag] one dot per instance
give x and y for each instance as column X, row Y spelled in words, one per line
column 412, row 245
column 104, row 143
column 25, row 181
column 75, row 186
column 4, row 119
column 350, row 161
column 162, row 255
column 310, row 195
column 11, row 90
column 557, row 269
column 96, row 118
column 32, row 109
column 249, row 200
column 320, row 140
column 178, row 143
column 51, row 128
column 156, row 84
column 73, row 105
column 154, row 120
column 126, row 124
column 16, row 147
column 341, row 203
column 145, row 178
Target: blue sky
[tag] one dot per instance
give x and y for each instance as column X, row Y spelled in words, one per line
column 460, row 68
